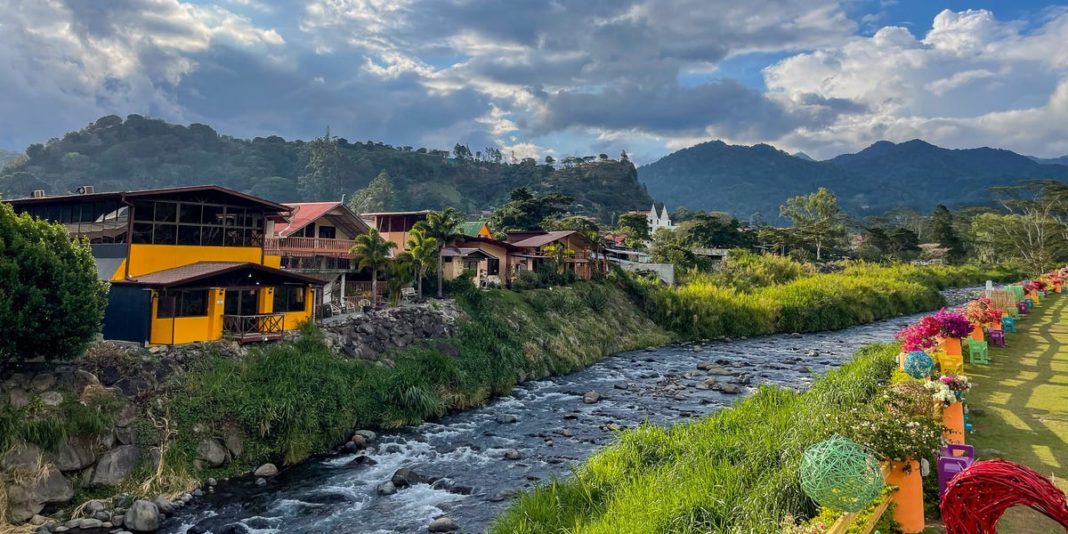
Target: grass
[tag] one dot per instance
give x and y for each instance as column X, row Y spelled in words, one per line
column 734, row 471
column 1023, row 395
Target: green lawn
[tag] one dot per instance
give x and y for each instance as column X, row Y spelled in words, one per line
column 1022, row 400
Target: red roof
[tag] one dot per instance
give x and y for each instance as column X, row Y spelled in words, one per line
column 303, row 214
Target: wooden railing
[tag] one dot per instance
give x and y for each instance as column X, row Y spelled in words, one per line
column 249, row 328
column 318, row 245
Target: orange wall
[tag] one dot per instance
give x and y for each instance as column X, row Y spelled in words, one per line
column 145, row 259
column 210, row 327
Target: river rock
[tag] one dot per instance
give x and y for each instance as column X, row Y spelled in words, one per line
column 443, row 524
column 404, row 477
column 512, row 454
column 52, row 398
column 367, row 434
column 266, row 470
column 233, row 440
column 163, row 504
column 591, row 397
column 387, row 488
column 502, row 495
column 731, row 389
column 212, row 452
column 18, row 397
column 143, row 516
column 23, row 457
column 27, row 499
column 127, row 415
column 114, row 465
column 506, row 419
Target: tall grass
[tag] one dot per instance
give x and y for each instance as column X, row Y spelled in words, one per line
column 735, row 471
column 805, row 302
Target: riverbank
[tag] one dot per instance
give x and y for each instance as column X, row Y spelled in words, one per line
column 1024, row 405
column 222, row 413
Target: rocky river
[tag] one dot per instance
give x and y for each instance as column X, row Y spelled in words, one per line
column 469, row 465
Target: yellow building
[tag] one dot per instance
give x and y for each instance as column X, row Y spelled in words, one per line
column 185, row 264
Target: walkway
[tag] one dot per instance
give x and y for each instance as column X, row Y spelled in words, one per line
column 1020, row 404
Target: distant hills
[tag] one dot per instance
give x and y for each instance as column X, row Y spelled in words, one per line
column 138, row 153
column 7, row 156
column 752, row 181
column 1063, row 160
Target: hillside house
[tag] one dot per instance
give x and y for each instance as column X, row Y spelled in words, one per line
column 186, row 264
column 395, row 226
column 534, row 254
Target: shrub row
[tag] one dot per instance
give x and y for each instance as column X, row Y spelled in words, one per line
column 735, row 471
column 859, row 293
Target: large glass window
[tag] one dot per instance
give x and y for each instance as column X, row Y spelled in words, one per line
column 289, row 299
column 327, row 232
column 182, row 304
column 192, row 223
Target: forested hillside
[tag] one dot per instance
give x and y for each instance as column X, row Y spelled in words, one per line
column 139, row 153
column 7, row 156
column 755, row 180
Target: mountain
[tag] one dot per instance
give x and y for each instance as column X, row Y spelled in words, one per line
column 802, row 155
column 915, row 174
column 7, row 156
column 138, row 153
column 1063, row 160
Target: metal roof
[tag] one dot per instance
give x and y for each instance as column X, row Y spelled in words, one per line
column 206, row 269
column 271, row 206
column 543, row 239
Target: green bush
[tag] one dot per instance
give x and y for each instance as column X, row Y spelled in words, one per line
column 51, row 302
column 734, row 471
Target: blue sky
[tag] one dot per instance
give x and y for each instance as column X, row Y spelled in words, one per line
column 548, row 77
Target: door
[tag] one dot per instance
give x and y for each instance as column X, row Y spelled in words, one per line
column 493, row 267
column 241, row 302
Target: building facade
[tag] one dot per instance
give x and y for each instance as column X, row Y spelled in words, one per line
column 185, row 264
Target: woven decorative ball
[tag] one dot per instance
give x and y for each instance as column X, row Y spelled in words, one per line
column 839, row 474
column 918, row 364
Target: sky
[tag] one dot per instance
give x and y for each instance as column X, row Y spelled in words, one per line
column 548, row 77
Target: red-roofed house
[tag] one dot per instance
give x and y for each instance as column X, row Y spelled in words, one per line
column 533, row 253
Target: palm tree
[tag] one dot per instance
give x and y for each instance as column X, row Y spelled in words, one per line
column 372, row 251
column 559, row 254
column 399, row 275
column 444, row 226
column 424, row 252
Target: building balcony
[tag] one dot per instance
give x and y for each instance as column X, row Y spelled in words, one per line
column 318, row 246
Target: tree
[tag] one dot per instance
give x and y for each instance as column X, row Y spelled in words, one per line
column 585, row 226
column 371, row 251
column 525, row 211
column 635, row 226
column 943, row 233
column 666, row 247
column 443, row 226
column 714, row 230
column 559, row 255
column 1033, row 230
column 549, row 160
column 424, row 253
column 51, row 301
column 327, row 169
column 398, row 275
column 275, row 188
column 377, row 196
column 816, row 218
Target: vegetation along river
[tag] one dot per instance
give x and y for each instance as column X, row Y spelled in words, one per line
column 463, row 456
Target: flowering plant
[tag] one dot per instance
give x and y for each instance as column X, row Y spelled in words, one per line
column 981, row 311
column 919, row 335
column 952, row 324
column 956, row 383
column 940, row 392
column 896, row 426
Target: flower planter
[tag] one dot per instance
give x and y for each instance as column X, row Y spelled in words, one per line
column 953, row 421
column 996, row 325
column 952, row 359
column 908, row 498
column 977, row 333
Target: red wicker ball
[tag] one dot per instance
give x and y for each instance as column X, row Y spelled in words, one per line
column 976, row 499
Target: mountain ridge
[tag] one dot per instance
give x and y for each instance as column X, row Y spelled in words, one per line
column 752, row 181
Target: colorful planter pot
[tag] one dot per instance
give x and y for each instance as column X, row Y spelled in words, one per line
column 977, row 333
column 951, row 359
column 953, row 421
column 908, row 498
column 996, row 325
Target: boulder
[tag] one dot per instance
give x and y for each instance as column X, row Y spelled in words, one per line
column 43, row 382
column 18, row 397
column 143, row 516
column 115, row 465
column 405, row 477
column 506, row 419
column 125, row 435
column 387, row 488
column 23, row 457
column 443, row 524
column 212, row 452
column 27, row 499
column 163, row 504
column 591, row 397
column 232, row 438
column 52, row 398
column 266, row 470
column 512, row 454
column 367, row 434
column 127, row 415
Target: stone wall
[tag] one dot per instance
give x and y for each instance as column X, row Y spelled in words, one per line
column 368, row 336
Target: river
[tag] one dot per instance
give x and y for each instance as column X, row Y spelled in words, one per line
column 553, row 430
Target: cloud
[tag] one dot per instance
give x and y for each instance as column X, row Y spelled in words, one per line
column 971, row 80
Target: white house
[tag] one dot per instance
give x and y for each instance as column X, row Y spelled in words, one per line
column 658, row 221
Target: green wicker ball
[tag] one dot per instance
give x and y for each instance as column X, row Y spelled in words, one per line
column 841, row 475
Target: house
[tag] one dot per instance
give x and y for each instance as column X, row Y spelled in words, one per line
column 186, row 264
column 476, row 229
column 534, row 251
column 488, row 259
column 395, row 226
column 315, row 240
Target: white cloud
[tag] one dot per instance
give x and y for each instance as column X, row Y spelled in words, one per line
column 972, row 80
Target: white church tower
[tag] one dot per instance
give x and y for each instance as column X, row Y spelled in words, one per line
column 663, row 220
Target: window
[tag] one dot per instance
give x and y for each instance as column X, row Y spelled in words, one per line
column 289, row 299
column 194, row 223
column 328, row 232
column 182, row 304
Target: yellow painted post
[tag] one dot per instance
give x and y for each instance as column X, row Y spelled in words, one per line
column 216, row 308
